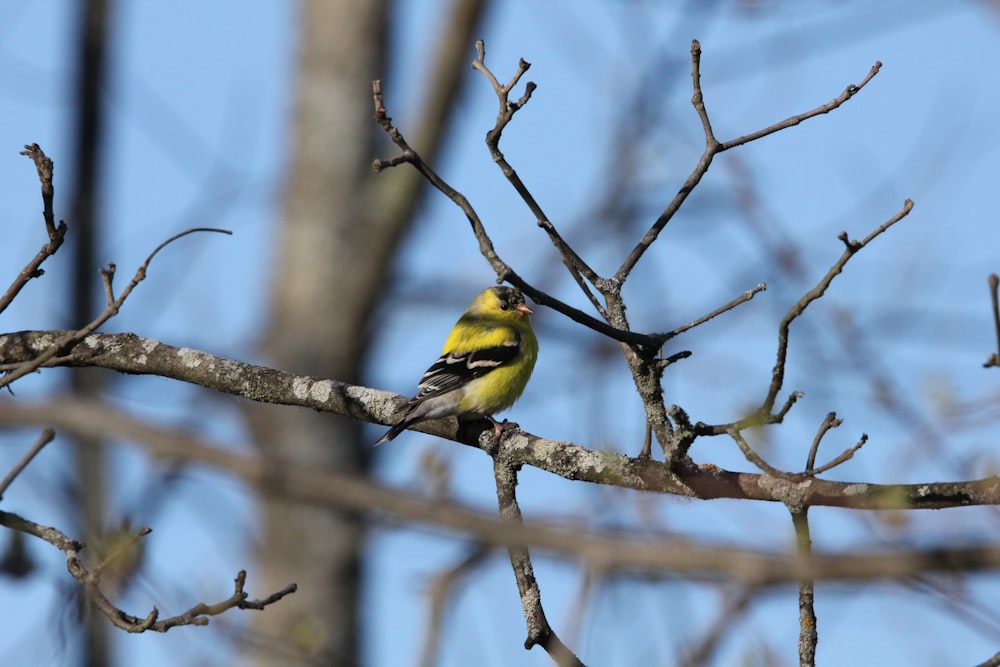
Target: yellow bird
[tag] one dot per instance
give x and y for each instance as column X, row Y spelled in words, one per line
column 484, row 366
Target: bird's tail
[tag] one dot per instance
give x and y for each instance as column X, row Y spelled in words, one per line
column 392, row 432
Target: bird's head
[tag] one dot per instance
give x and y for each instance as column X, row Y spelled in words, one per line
column 502, row 302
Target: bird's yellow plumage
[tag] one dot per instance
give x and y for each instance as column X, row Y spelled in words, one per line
column 484, row 366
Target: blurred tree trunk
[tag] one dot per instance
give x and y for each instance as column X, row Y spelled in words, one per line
column 90, row 491
column 339, row 233
column 321, row 294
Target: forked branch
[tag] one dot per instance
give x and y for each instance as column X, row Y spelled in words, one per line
column 850, row 249
column 90, row 580
column 56, row 233
column 113, row 304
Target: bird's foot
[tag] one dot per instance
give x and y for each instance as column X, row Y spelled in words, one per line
column 499, row 428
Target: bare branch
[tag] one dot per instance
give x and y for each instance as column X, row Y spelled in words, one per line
column 501, row 268
column 704, row 162
column 713, row 147
column 753, row 457
column 808, row 636
column 90, row 581
column 47, row 436
column 578, row 268
column 45, row 169
column 743, row 298
column 56, row 234
column 752, row 420
column 697, row 97
column 71, row 338
column 994, row 281
column 848, row 93
column 843, row 457
column 540, row 633
column 130, row 354
column 829, row 422
column 994, row 661
column 851, row 247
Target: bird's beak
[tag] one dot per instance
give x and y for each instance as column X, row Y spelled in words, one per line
column 523, row 310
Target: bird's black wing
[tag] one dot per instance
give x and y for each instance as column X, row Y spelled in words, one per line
column 453, row 370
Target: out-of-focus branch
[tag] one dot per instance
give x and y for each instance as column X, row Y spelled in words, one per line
column 440, row 594
column 47, row 436
column 604, row 551
column 90, row 580
column 730, row 610
column 130, row 354
column 994, row 280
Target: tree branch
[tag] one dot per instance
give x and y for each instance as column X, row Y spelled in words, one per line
column 994, row 281
column 90, row 581
column 577, row 267
column 68, row 339
column 714, row 147
column 56, row 234
column 850, row 249
column 128, row 353
column 808, row 635
column 47, row 436
column 605, row 551
column 540, row 633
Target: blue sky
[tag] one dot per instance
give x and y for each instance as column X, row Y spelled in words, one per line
column 198, row 136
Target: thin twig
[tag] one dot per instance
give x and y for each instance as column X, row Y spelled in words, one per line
column 994, row 281
column 47, row 436
column 576, row 265
column 752, row 456
column 843, row 457
column 647, row 443
column 829, row 422
column 714, row 147
column 501, row 268
column 755, row 419
column 71, row 338
column 799, row 307
column 836, row 102
column 743, row 298
column 90, row 581
column 56, row 234
column 704, row 162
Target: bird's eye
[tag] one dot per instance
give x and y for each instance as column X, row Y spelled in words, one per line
column 504, row 305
